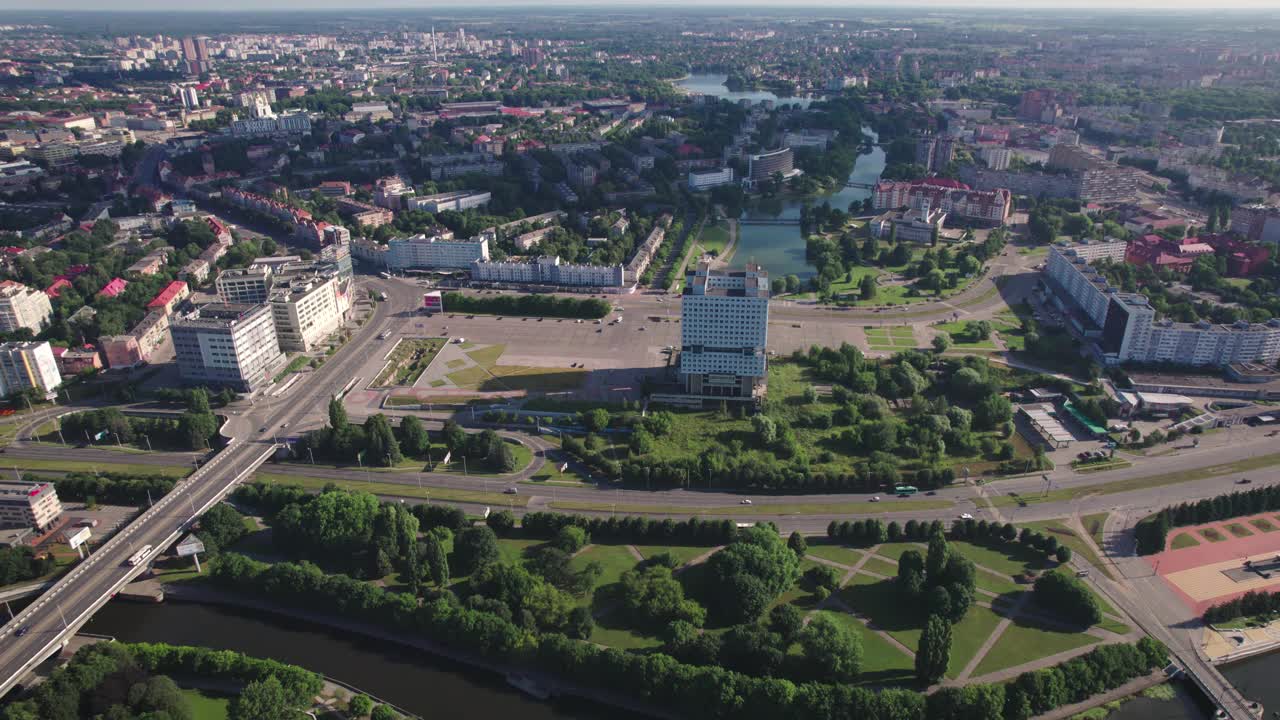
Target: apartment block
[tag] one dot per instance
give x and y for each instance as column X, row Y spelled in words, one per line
column 29, row 505
column 27, row 366
column 23, row 307
column 548, row 271
column 422, row 251
column 250, row 285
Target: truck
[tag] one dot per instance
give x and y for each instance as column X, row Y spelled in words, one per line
column 139, row 557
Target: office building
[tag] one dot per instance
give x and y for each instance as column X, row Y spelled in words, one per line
column 724, row 332
column 29, row 505
column 460, row 200
column 305, row 312
column 1259, row 223
column 763, row 166
column 422, row 251
column 28, row 366
column 23, row 307
column 227, row 344
column 251, row 285
column 548, row 271
column 708, row 179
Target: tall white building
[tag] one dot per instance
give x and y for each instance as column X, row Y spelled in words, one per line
column 190, row 98
column 28, row 365
column 421, row 251
column 23, row 307
column 724, row 331
column 227, row 344
column 548, row 271
column 305, row 312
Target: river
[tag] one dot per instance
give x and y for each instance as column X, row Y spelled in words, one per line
column 780, row 248
column 416, row 681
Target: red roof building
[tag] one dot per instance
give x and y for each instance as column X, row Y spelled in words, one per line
column 55, row 289
column 113, row 288
column 172, row 294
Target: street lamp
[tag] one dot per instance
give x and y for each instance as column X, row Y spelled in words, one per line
column 148, row 439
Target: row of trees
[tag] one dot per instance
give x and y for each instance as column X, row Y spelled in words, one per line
column 1251, row 604
column 940, row 585
column 632, row 529
column 111, row 488
column 1153, row 530
column 193, row 430
column 531, row 305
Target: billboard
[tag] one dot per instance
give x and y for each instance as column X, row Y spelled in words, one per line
column 79, row 537
column 433, row 302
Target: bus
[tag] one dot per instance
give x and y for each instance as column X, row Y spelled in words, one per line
column 137, row 558
column 906, row 490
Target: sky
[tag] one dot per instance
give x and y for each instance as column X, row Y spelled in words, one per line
column 276, row 5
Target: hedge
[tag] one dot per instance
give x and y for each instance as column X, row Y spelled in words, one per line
column 633, row 528
column 531, row 305
column 1250, row 604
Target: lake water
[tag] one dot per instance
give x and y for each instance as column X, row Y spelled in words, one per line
column 780, row 248
column 713, row 84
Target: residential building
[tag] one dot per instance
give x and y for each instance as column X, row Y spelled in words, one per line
column 763, row 166
column 121, row 351
column 956, row 200
column 251, row 285
column 197, row 271
column 23, row 307
column 371, row 252
column 168, row 298
column 28, row 366
column 149, row 264
column 1259, row 223
column 29, row 505
column 151, row 332
column 1122, row 327
column 72, row 361
column 227, row 344
column 710, row 178
column 724, row 327
column 547, row 271
column 289, row 124
column 305, row 312
column 422, row 251
column 996, row 157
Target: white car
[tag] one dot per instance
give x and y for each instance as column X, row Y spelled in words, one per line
column 875, row 498
column 745, row 501
column 966, row 516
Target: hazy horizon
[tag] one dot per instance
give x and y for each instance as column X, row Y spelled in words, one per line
column 1181, row 6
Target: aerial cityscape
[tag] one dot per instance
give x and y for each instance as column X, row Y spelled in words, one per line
column 639, row 361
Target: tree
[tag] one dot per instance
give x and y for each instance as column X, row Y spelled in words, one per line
column 596, row 420
column 766, row 430
column 455, row 438
column 991, row 411
column 797, row 544
column 941, row 342
column 198, row 401
column 264, row 699
column 360, row 705
column 936, row 560
column 384, row 712
column 381, row 446
column 437, row 561
column 934, row 650
column 832, row 652
column 413, row 436
column 197, row 429
column 570, row 539
column 337, row 414
column 475, row 548
column 502, row 522
column 787, row 621
column 221, row 527
column 1065, row 595
column 911, row 574
column 654, row 599
column 749, row 574
column 867, row 287
column 1063, row 554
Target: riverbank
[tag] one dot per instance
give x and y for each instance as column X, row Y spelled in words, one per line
column 199, row 593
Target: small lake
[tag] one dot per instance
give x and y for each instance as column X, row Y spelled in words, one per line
column 713, row 84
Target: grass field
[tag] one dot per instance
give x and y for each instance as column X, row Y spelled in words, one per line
column 836, row 553
column 892, row 337
column 968, row 635
column 1067, row 536
column 1238, row 530
column 714, row 238
column 614, row 560
column 1023, row 642
column 1010, row 559
column 515, row 549
column 1212, row 535
column 682, row 553
column 880, row 567
column 206, row 705
column 1184, row 540
column 957, row 330
column 96, row 466
column 488, row 376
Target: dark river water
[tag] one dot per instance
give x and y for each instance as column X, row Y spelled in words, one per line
column 414, row 680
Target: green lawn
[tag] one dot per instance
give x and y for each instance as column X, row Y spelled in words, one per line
column 893, row 551
column 996, row 582
column 206, row 705
column 880, row 567
column 1184, row 540
column 882, row 661
column 1010, row 559
column 99, row 466
column 714, row 238
column 1066, row 536
column 1262, row 524
column 881, row 601
column 605, row 633
column 957, row 329
column 836, row 553
column 1238, row 530
column 614, row 560
column 1023, row 642
column 514, row 550
column 1212, row 535
column 968, row 635
column 682, row 553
